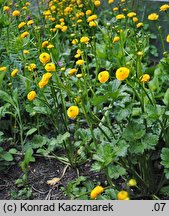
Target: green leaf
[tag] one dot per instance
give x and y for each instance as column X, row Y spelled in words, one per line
column 166, row 98
column 63, row 137
column 115, row 171
column 121, row 148
column 165, row 190
column 13, row 151
column 165, row 157
column 105, row 154
column 136, row 147
column 42, row 110
column 31, row 131
column 149, row 141
column 38, row 141
column 27, row 159
column 6, row 97
column 134, row 131
column 103, row 98
column 7, row 156
column 2, row 75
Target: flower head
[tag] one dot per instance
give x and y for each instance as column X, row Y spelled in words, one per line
column 73, row 112
column 96, row 191
column 153, row 16
column 84, row 40
column 31, row 95
column 14, row 72
column 21, row 25
column 97, row 3
column 131, row 14
column 116, row 39
column 145, row 78
column 167, row 38
column 3, row 68
column 122, row 73
column 164, row 7
column 6, row 8
column 103, row 76
column 44, row 58
column 50, row 67
column 16, row 13
column 24, row 34
column 123, row 195
column 80, row 62
column 31, row 66
column 72, row 71
column 45, row 44
column 132, row 183
column 120, row 17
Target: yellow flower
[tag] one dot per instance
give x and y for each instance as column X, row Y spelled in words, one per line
column 131, row 14
column 135, row 19
column 53, row 8
column 27, row 3
column 145, row 78
column 116, row 39
column 140, row 53
column 153, row 16
column 88, row 12
column 132, row 183
column 96, row 191
column 79, row 75
column 97, row 3
column 64, row 28
column 110, row 1
column 21, row 25
column 167, row 39
column 72, row 71
column 123, row 195
column 84, row 40
column 2, row 68
column 74, row 41
column 50, row 67
column 73, row 112
column 103, row 76
column 6, row 8
column 24, row 34
column 42, row 83
column 92, row 18
column 120, row 16
column 79, row 52
column 164, row 7
column 46, row 76
column 122, row 73
column 26, row 52
column 16, row 13
column 93, row 24
column 31, row 95
column 58, row 26
column 14, row 72
column 30, row 22
column 50, row 46
column 45, row 44
column 44, row 58
column 61, row 20
column 115, row 9
column 31, row 67
column 140, row 24
column 80, row 62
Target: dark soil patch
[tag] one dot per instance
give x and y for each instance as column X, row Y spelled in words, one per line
column 39, row 173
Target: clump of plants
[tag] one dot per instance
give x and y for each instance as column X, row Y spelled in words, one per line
column 77, row 78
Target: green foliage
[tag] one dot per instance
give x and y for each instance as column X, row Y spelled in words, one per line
column 165, row 161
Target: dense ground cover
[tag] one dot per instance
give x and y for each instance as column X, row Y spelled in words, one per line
column 84, row 110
